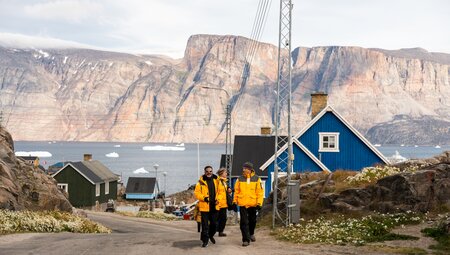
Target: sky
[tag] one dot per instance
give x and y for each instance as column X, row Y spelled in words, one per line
column 164, row 26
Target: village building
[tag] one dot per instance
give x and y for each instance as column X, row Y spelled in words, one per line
column 88, row 183
column 327, row 143
column 142, row 188
column 32, row 160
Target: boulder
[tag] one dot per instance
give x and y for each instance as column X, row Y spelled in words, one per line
column 24, row 187
column 422, row 191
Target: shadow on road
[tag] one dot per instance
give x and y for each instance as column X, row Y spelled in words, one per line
column 187, row 244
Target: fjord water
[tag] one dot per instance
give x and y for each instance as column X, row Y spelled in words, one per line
column 180, row 166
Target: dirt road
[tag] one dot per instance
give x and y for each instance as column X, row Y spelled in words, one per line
column 146, row 236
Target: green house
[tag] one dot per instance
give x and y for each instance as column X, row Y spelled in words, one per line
column 87, row 183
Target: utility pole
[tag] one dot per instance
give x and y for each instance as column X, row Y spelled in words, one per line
column 227, row 132
column 283, row 159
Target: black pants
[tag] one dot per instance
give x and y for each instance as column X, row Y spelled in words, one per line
column 222, row 220
column 209, row 224
column 199, row 226
column 248, row 222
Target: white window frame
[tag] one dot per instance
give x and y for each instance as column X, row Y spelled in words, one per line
column 63, row 186
column 97, row 189
column 106, row 188
column 322, row 135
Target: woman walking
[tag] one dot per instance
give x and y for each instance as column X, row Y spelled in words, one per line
column 223, row 203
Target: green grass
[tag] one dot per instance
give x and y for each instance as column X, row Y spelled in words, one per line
column 441, row 236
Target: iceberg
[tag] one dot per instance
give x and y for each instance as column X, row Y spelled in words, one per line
column 377, row 145
column 140, row 171
column 112, row 155
column 41, row 154
column 164, row 148
column 396, row 158
column 117, row 145
column 437, row 147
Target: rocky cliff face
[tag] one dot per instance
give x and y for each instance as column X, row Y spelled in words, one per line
column 22, row 186
column 103, row 96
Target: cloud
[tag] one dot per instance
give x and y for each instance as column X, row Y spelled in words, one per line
column 64, row 10
column 25, row 41
column 159, row 26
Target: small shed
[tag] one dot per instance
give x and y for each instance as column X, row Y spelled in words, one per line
column 32, row 160
column 141, row 188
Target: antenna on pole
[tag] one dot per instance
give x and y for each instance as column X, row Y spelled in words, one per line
column 283, row 139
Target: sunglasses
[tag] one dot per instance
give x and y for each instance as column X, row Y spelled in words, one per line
column 208, row 172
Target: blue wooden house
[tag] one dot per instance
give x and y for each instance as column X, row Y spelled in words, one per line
column 327, row 143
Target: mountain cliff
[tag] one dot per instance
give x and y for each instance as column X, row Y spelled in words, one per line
column 88, row 95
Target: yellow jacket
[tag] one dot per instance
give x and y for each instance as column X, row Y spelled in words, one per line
column 201, row 192
column 248, row 192
column 197, row 215
column 223, row 191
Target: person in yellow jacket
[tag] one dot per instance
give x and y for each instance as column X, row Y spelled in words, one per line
column 223, row 205
column 198, row 217
column 248, row 195
column 208, row 195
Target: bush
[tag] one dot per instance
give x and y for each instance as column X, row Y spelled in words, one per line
column 373, row 174
column 341, row 230
column 157, row 216
column 46, row 221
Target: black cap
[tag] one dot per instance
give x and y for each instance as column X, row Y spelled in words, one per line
column 248, row 165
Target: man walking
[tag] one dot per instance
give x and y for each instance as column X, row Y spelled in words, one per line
column 248, row 195
column 208, row 195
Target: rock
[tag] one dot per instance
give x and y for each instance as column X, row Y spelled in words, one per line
column 421, row 191
column 24, row 187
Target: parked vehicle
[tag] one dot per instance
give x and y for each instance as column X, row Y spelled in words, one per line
column 110, row 206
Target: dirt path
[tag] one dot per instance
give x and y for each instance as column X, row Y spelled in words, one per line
column 145, row 236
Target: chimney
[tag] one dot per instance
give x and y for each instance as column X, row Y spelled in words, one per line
column 87, row 157
column 266, row 131
column 318, row 103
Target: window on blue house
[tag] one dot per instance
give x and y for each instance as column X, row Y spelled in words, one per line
column 329, row 142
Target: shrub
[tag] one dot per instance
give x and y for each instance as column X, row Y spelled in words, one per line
column 157, row 216
column 373, row 174
column 46, row 221
column 341, row 230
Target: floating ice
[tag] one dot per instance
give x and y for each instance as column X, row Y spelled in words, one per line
column 41, row 154
column 117, row 145
column 397, row 158
column 140, row 171
column 112, row 155
column 163, row 148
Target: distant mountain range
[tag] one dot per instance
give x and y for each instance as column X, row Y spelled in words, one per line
column 73, row 94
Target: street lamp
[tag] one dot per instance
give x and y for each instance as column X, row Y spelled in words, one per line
column 156, row 170
column 164, row 174
column 228, row 132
